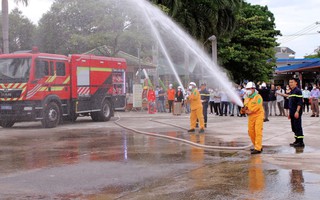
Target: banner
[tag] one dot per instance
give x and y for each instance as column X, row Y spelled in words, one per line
column 137, row 95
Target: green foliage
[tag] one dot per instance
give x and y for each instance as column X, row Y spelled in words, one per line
column 249, row 53
column 77, row 26
column 316, row 55
column 203, row 18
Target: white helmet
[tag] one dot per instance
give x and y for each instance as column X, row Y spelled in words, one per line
column 170, row 85
column 263, row 84
column 179, row 87
column 250, row 85
column 193, row 83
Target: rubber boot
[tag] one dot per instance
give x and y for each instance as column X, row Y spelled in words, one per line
column 295, row 142
column 299, row 143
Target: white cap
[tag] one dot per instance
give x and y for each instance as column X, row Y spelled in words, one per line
column 170, row 85
column 263, row 84
column 193, row 83
column 250, row 85
column 179, row 87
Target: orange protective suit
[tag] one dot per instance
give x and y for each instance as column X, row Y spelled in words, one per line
column 196, row 109
column 254, row 103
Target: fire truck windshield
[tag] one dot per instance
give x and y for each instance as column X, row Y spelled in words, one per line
column 14, row 70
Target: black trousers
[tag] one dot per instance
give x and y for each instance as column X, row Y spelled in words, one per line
column 211, row 106
column 296, row 126
column 170, row 102
column 205, row 112
column 217, row 108
column 224, row 107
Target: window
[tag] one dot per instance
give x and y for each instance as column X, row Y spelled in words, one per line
column 61, row 68
column 42, row 68
column 14, row 70
column 51, row 69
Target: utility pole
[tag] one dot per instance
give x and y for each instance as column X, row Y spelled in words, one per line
column 213, row 40
column 139, row 71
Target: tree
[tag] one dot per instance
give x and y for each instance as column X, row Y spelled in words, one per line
column 204, row 18
column 5, row 22
column 22, row 31
column 315, row 55
column 77, row 26
column 249, row 54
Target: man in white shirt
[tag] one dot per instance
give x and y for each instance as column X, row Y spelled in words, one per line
column 224, row 103
column 217, row 101
column 306, row 95
column 280, row 100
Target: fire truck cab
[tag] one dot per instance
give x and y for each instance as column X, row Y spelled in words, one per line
column 52, row 88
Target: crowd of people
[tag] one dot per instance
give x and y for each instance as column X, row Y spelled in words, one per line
column 259, row 102
column 275, row 103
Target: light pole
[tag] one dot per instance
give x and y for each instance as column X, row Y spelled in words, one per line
column 139, row 70
column 213, row 40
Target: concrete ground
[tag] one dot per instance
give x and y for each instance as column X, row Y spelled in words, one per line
column 227, row 131
column 88, row 160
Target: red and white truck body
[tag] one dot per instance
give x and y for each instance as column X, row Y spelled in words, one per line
column 49, row 87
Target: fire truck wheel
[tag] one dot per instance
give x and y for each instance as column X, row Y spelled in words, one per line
column 103, row 115
column 51, row 115
column 94, row 116
column 7, row 124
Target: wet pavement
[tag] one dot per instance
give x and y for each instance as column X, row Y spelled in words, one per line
column 87, row 160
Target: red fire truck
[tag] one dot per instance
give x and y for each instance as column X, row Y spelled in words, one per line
column 52, row 88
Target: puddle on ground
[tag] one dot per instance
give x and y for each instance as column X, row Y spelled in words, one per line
column 202, row 139
column 214, row 175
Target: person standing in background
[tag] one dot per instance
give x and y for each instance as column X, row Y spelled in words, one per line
column 186, row 103
column 157, row 98
column 162, row 107
column 179, row 95
column 211, row 101
column 151, row 101
column 280, row 100
column 224, row 103
column 306, row 98
column 314, row 95
column 273, row 101
column 241, row 93
column 205, row 96
column 265, row 93
column 217, row 102
column 171, row 95
column 286, row 100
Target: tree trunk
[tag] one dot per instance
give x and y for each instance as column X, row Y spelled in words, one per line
column 5, row 26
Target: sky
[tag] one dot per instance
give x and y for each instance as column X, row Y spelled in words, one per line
column 291, row 17
column 296, row 16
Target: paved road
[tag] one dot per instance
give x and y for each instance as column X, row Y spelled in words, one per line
column 87, row 160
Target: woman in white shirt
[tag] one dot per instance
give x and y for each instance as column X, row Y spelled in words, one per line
column 280, row 100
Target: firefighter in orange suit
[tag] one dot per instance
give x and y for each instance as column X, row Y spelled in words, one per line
column 196, row 108
column 253, row 107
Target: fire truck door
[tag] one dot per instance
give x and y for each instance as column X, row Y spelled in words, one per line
column 83, row 88
column 37, row 87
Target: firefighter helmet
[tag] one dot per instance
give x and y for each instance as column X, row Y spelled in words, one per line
column 250, row 85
